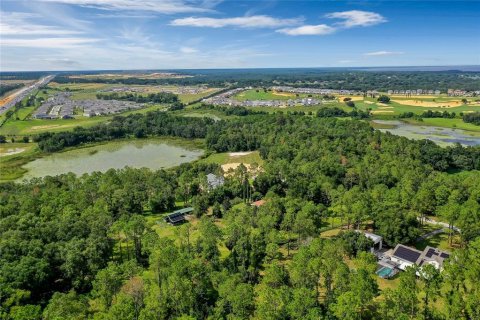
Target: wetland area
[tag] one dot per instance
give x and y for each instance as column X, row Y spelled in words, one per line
column 441, row 136
column 153, row 154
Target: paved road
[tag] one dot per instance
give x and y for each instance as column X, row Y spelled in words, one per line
column 430, row 234
column 23, row 92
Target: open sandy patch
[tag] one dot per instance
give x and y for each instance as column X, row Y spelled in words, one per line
column 430, row 104
column 234, row 165
column 369, row 102
column 239, row 154
column 11, row 151
column 382, row 104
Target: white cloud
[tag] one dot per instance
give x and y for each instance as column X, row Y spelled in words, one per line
column 321, row 29
column 383, row 53
column 188, row 50
column 48, row 43
column 20, row 23
column 259, row 21
column 357, row 18
column 56, row 62
column 159, row 6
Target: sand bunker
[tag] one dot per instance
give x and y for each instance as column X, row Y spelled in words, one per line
column 381, row 111
column 351, row 98
column 430, row 104
column 414, row 96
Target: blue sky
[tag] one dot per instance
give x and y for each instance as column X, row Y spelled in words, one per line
column 162, row 34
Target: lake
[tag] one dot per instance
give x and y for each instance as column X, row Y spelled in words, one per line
column 441, row 136
column 153, row 154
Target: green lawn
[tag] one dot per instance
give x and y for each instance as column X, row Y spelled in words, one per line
column 398, row 108
column 448, row 123
column 438, row 241
column 252, row 94
column 11, row 165
column 225, row 158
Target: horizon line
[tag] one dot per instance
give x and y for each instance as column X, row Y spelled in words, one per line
column 258, row 68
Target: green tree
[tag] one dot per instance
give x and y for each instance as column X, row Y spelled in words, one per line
column 66, row 306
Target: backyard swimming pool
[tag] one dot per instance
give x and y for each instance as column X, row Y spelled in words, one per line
column 385, row 272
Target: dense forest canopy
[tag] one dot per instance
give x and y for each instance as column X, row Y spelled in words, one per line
column 251, row 132
column 84, row 248
column 315, row 78
column 472, row 118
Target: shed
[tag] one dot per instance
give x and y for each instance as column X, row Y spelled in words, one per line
column 178, row 216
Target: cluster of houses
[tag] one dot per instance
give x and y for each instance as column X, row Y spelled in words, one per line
column 462, row 93
column 150, row 89
column 413, row 92
column 224, row 99
column 318, row 91
column 60, row 106
column 93, row 108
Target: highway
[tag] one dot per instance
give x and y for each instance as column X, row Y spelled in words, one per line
column 20, row 94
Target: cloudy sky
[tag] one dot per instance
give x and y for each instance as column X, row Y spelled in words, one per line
column 162, row 34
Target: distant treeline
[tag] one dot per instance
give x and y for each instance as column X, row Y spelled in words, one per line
column 314, row 78
column 472, row 118
column 4, row 88
column 337, row 112
column 160, row 97
column 30, row 75
column 229, row 111
column 254, row 132
column 154, row 124
column 429, row 114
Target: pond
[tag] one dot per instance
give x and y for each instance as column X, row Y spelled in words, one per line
column 441, row 136
column 153, row 154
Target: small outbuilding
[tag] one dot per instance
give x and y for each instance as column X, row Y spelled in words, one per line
column 215, row 181
column 178, row 216
column 376, row 239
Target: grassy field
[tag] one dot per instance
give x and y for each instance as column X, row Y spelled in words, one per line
column 448, row 123
column 229, row 158
column 13, row 156
column 401, row 105
column 252, row 94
